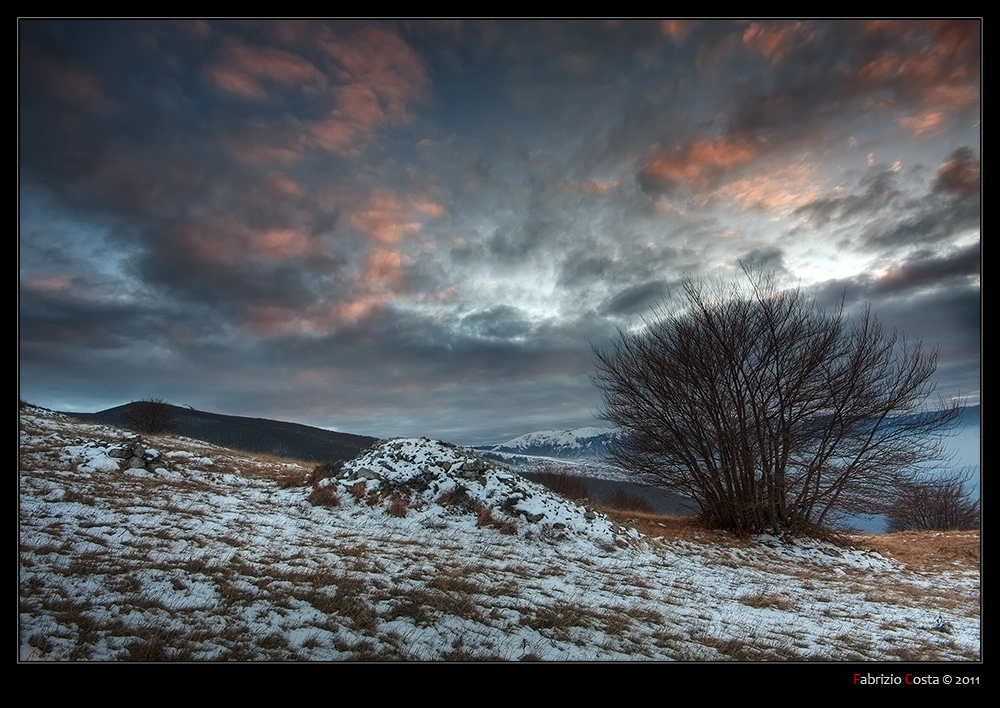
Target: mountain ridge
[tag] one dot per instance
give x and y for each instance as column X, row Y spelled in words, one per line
column 260, row 435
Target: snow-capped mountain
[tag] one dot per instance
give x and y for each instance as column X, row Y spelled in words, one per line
column 576, row 443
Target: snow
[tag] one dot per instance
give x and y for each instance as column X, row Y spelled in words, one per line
column 428, row 553
column 556, row 438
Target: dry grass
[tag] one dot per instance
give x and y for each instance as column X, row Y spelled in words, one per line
column 767, row 599
column 324, row 496
column 286, row 471
column 398, row 506
column 353, row 584
column 928, row 551
column 671, row 528
column 485, row 517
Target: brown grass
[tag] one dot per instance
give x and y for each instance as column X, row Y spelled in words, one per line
column 928, row 550
column 485, row 517
column 398, row 506
column 359, row 489
column 767, row 599
column 324, row 496
column 671, row 528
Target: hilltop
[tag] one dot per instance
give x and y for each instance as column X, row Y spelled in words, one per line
column 172, row 548
column 251, row 434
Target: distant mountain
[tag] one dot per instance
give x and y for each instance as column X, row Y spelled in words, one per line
column 578, row 443
column 252, row 434
column 592, row 442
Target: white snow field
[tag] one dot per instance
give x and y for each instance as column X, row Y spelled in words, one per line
column 418, row 551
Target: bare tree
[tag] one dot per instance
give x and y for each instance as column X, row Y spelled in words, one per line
column 940, row 502
column 150, row 416
column 768, row 411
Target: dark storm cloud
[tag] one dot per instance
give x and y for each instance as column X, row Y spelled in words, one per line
column 942, row 313
column 636, row 299
column 889, row 217
column 215, row 195
column 933, row 220
column 877, row 193
column 502, row 322
column 768, row 260
column 928, row 269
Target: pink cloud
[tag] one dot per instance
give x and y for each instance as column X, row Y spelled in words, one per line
column 926, row 124
column 677, row 30
column 226, row 240
column 383, row 269
column 387, row 219
column 380, row 76
column 959, row 174
column 67, row 83
column 48, row 283
column 778, row 191
column 701, row 163
column 776, row 40
column 934, row 65
column 244, row 69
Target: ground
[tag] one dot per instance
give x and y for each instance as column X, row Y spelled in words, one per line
column 418, row 551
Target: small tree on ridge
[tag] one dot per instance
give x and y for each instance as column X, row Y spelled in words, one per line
column 150, row 416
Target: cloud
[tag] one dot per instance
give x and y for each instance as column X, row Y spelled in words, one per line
column 959, row 174
column 636, row 299
column 60, row 80
column 676, row 29
column 776, row 41
column 699, row 165
column 878, row 193
column 246, row 70
column 386, row 218
column 925, row 269
column 379, row 76
column 390, row 224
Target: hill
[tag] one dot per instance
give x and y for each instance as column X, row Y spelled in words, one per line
column 173, row 548
column 251, row 434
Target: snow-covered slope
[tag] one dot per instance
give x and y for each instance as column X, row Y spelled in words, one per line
column 170, row 548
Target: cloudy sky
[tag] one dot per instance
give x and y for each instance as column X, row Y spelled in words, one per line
column 421, row 227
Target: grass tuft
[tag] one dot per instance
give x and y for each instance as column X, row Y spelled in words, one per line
column 324, row 495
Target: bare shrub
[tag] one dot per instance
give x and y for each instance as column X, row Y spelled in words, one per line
column 940, row 503
column 150, row 416
column 620, row 499
column 770, row 412
column 567, row 485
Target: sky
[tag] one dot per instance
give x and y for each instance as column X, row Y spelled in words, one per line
column 423, row 228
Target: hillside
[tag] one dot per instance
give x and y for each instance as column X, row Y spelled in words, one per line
column 251, row 434
column 171, row 548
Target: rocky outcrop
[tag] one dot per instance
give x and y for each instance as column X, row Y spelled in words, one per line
column 134, row 454
column 433, row 480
